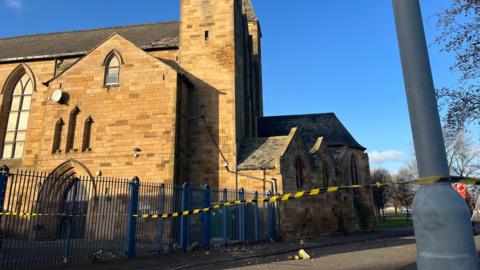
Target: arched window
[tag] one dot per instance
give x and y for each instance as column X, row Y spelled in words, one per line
column 18, row 99
column 112, row 69
column 299, row 168
column 87, row 133
column 57, row 137
column 326, row 175
column 72, row 125
column 354, row 174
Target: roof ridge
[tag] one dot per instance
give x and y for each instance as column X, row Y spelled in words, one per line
column 88, row 30
column 300, row 115
column 267, row 137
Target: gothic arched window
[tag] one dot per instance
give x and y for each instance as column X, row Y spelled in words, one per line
column 354, row 174
column 112, row 69
column 72, row 125
column 326, row 175
column 57, row 137
column 87, row 133
column 18, row 98
column 299, row 168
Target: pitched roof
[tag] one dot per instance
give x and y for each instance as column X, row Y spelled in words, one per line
column 260, row 153
column 311, row 126
column 249, row 11
column 77, row 43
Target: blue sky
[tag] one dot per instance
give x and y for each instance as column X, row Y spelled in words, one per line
column 318, row 56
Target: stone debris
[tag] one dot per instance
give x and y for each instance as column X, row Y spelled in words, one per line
column 303, row 255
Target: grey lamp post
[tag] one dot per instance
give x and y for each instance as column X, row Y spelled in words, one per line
column 441, row 218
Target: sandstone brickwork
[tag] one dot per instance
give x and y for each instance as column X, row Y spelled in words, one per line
column 188, row 108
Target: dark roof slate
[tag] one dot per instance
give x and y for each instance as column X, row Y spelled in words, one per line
column 311, row 126
column 260, row 153
column 78, row 43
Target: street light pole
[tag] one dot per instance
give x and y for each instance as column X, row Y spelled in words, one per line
column 441, row 218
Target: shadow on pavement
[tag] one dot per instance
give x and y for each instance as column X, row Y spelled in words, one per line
column 221, row 258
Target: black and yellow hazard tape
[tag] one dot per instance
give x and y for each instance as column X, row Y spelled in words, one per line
column 273, row 199
column 26, row 214
column 310, row 193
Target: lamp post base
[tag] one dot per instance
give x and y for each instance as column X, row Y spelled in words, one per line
column 443, row 230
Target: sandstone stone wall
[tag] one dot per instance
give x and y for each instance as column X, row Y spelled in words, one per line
column 212, row 37
column 327, row 213
column 344, row 158
column 306, row 216
column 260, row 180
column 165, row 54
column 138, row 113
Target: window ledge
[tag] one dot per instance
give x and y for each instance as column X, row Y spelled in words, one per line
column 71, row 151
column 111, row 85
column 12, row 163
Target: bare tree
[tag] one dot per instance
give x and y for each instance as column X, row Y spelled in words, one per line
column 462, row 106
column 401, row 193
column 459, row 33
column 381, row 195
column 459, row 27
column 463, row 155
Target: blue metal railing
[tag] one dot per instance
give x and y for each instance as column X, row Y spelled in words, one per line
column 50, row 219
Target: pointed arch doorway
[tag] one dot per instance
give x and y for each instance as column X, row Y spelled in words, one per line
column 69, row 191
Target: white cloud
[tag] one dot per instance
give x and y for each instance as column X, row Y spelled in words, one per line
column 15, row 4
column 386, row 156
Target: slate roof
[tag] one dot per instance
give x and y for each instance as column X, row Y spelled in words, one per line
column 311, row 126
column 260, row 153
column 78, row 43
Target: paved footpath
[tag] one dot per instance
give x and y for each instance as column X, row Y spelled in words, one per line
column 263, row 256
column 393, row 253
column 383, row 249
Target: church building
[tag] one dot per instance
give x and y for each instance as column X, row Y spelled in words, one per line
column 175, row 102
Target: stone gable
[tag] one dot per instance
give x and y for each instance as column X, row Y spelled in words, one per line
column 139, row 113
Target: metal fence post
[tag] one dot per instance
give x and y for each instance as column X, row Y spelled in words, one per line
column 225, row 218
column 241, row 219
column 69, row 216
column 161, row 209
column 206, row 219
column 271, row 222
column 132, row 214
column 256, row 217
column 184, row 219
column 4, row 173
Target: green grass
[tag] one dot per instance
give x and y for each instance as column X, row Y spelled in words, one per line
column 394, row 222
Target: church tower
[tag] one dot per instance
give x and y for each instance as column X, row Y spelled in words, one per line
column 210, row 31
column 255, row 33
